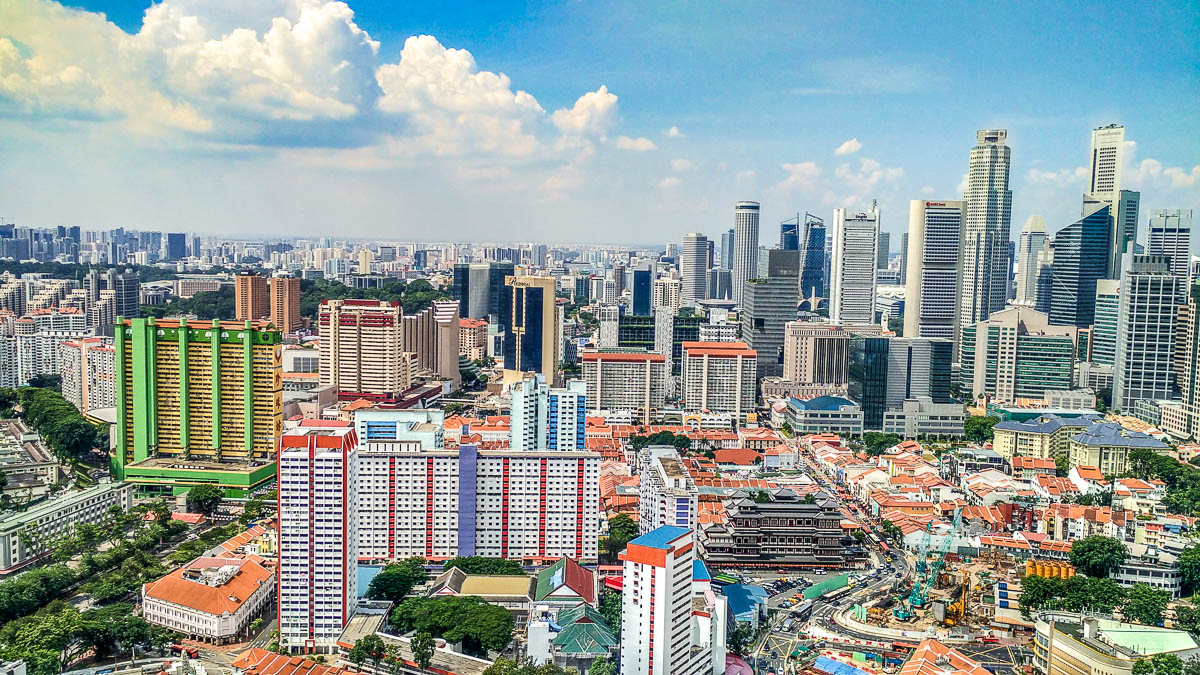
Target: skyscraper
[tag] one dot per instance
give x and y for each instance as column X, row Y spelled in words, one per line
column 1108, row 151
column 727, row 250
column 984, row 278
column 852, row 277
column 931, row 291
column 885, row 245
column 885, row 371
column 1148, row 311
column 1033, row 240
column 362, row 347
column 529, row 314
column 250, row 298
column 789, row 234
column 768, row 304
column 285, row 304
column 1170, row 234
column 1080, row 258
column 1016, row 353
column 1104, row 188
column 641, row 292
column 745, row 246
column 813, row 264
column 693, row 266
column 1104, row 327
column 544, row 418
column 478, row 287
column 176, row 246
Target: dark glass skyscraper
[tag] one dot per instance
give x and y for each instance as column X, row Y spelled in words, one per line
column 1080, row 258
column 868, row 380
column 641, row 292
column 789, row 234
column 812, row 258
column 176, row 245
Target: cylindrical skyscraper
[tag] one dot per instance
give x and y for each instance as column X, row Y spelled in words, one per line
column 745, row 246
column 693, row 266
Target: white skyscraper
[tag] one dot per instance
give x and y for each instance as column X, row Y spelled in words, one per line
column 543, row 418
column 693, row 267
column 932, row 267
column 1108, row 152
column 1033, row 239
column 1149, row 297
column 852, row 274
column 745, row 246
column 1171, row 234
column 671, row 621
column 984, row 285
column 318, row 534
column 1104, row 187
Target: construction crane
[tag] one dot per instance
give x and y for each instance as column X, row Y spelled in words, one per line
column 919, row 597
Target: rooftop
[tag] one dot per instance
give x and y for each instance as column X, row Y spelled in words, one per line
column 1113, row 434
column 211, row 585
column 661, row 538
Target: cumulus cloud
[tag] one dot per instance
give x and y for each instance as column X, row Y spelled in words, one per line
column 670, row 182
column 1076, row 177
column 927, row 190
column 640, row 144
column 681, row 164
column 1153, row 173
column 674, row 132
column 593, row 115
column 847, row 185
column 801, row 176
column 849, row 147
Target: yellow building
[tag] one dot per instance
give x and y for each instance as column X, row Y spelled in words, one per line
column 1106, row 446
column 197, row 402
column 1045, row 437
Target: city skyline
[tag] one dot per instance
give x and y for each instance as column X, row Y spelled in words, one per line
column 496, row 122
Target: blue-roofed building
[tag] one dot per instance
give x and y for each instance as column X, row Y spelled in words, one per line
column 661, row 538
column 833, row 414
column 747, row 603
column 700, row 571
column 1106, row 446
column 1046, row 437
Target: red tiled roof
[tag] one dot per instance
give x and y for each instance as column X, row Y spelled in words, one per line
column 257, row 661
column 224, row 599
column 738, row 456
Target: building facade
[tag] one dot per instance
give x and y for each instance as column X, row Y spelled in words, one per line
column 667, row 494
column 986, row 230
column 89, row 373
column 745, row 247
column 28, row 536
column 318, row 534
column 1080, row 259
column 285, row 304
column 693, row 267
column 719, row 377
column 432, row 337
column 1170, row 234
column 625, row 381
column 785, row 531
column 210, row 599
column 1015, row 354
column 251, row 300
column 932, row 268
column 1033, row 241
column 530, row 316
column 852, row 280
column 767, row 304
column 1149, row 296
column 361, row 347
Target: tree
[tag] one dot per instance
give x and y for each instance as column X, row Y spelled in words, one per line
column 370, row 648
column 787, row 429
column 741, row 637
column 205, row 498
column 622, row 527
column 978, row 428
column 1159, row 664
column 397, row 580
column 422, row 646
column 859, row 535
column 476, row 564
column 1189, row 567
column 1097, row 555
column 1062, row 465
column 256, row 626
column 480, row 627
column 602, row 667
column 610, row 607
column 761, row 497
column 1145, row 604
column 878, row 442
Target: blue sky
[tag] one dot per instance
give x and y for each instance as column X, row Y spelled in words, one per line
column 307, row 117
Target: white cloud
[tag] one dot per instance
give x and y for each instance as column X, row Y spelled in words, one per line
column 593, row 115
column 674, row 132
column 849, row 147
column 670, row 182
column 640, row 144
column 1151, row 173
column 961, row 189
column 801, row 176
column 927, row 190
column 1062, row 178
column 868, row 176
column 681, row 164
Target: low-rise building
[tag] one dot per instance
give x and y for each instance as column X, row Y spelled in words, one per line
column 921, row 417
column 1046, row 436
column 210, row 599
column 25, row 536
column 825, row 413
column 566, row 584
column 1067, row 643
column 512, row 592
column 787, row 530
column 28, row 467
column 1106, row 446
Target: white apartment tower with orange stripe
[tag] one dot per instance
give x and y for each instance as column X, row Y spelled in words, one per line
column 672, row 623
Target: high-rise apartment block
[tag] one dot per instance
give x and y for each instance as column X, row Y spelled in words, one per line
column 667, row 495
column 362, row 347
column 197, row 402
column 251, row 300
column 671, row 621
column 931, row 292
column 625, row 381
column 768, row 302
column 285, row 304
column 1017, row 353
column 855, row 252
column 719, row 377
column 432, row 337
column 693, row 267
column 318, row 534
column 668, row 292
column 986, row 228
column 1146, row 320
column 745, row 246
column 472, row 338
column 89, row 373
column 546, row 418
column 39, row 337
column 530, row 316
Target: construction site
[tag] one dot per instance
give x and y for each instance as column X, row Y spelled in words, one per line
column 959, row 595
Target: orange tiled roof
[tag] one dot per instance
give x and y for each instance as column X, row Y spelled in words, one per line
column 1089, row 473
column 738, row 456
column 224, row 599
column 257, row 661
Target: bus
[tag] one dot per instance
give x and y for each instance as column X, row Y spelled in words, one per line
column 803, row 611
column 834, row 597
